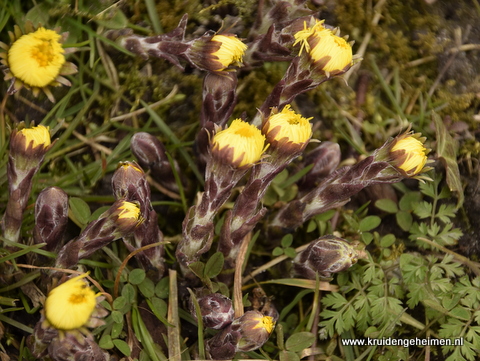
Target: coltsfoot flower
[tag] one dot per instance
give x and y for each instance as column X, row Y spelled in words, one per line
column 246, row 333
column 217, row 310
column 287, row 129
column 231, row 50
column 70, row 305
column 409, row 154
column 36, row 60
column 328, row 52
column 241, row 144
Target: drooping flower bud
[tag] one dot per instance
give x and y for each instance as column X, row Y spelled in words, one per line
column 51, row 217
column 327, row 51
column 129, row 182
column 241, row 144
column 246, row 333
column 409, row 155
column 326, row 255
column 217, row 310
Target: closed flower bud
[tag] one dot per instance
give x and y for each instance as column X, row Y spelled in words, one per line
column 241, row 144
column 246, row 333
column 70, row 305
column 217, row 310
column 29, row 145
column 327, row 51
column 128, row 216
column 287, row 131
column 326, row 255
column 51, row 217
column 129, row 182
column 217, row 53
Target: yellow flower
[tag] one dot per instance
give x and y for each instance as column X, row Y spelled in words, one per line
column 288, row 125
column 266, row 322
column 35, row 60
column 129, row 210
column 38, row 135
column 330, row 52
column 242, row 143
column 412, row 155
column 70, row 305
column 230, row 52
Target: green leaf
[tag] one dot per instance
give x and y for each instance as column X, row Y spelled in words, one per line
column 106, row 342
column 136, row 276
column 197, row 268
column 408, row 201
column 369, row 223
column 288, row 356
column 423, row 209
column 117, row 328
column 161, row 289
column 404, row 220
column 386, row 205
column 119, row 302
column 79, row 211
column 147, row 288
column 387, row 240
column 447, row 153
column 300, row 341
column 117, row 316
column 290, row 252
column 214, row 265
column 277, row 251
column 117, row 21
column 122, row 347
column 367, row 237
column 287, row 240
column 128, row 291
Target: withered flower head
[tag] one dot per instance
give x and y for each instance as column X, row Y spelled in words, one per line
column 241, row 144
column 287, row 128
column 35, row 60
column 329, row 52
column 327, row 255
column 70, row 305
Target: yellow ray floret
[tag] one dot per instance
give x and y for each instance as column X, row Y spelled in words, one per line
column 39, row 135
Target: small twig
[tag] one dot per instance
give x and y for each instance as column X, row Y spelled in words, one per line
column 173, row 335
column 270, row 264
column 125, row 261
column 237, row 280
column 143, row 110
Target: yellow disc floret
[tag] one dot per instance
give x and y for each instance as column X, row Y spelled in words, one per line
column 415, row 154
column 70, row 305
column 288, row 124
column 36, row 58
column 245, row 139
column 39, row 135
column 129, row 210
column 231, row 50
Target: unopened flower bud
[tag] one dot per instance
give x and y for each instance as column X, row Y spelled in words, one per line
column 151, row 154
column 246, row 333
column 326, row 255
column 129, row 182
column 325, row 158
column 241, row 144
column 409, row 154
column 328, row 52
column 51, row 217
column 217, row 310
column 29, row 145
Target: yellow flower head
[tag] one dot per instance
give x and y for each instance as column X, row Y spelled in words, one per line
column 70, row 305
column 39, row 135
column 129, row 210
column 231, row 50
column 242, row 142
column 413, row 155
column 288, row 125
column 266, row 322
column 330, row 51
column 36, row 58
